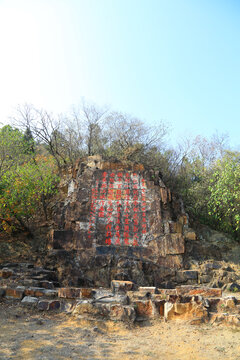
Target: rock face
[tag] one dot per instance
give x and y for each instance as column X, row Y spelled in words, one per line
column 116, row 221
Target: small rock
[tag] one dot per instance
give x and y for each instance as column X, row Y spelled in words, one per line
column 190, row 235
column 69, row 293
column 43, row 305
column 29, row 300
column 50, row 293
column 185, row 275
column 2, row 292
column 85, row 307
column 226, row 319
column 86, row 293
column 6, row 273
column 14, row 293
column 185, row 311
column 145, row 308
column 122, row 313
column 122, row 299
column 46, row 284
column 54, row 305
column 121, row 286
column 147, row 289
column 97, row 330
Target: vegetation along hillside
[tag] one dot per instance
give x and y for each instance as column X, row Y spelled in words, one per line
column 37, row 147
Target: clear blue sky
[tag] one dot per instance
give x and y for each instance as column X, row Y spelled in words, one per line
column 177, row 60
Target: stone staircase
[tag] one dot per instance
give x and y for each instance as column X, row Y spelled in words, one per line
column 39, row 288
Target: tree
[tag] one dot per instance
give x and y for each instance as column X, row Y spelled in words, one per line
column 12, row 148
column 224, row 201
column 91, row 119
column 191, row 166
column 25, row 190
column 128, row 138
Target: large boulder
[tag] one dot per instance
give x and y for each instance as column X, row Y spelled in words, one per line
column 117, row 221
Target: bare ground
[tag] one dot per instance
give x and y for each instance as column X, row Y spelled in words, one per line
column 30, row 334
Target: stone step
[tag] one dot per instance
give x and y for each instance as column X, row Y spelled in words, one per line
column 196, row 290
column 20, row 291
column 73, row 293
column 194, row 303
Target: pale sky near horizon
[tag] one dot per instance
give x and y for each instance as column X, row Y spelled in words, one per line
column 176, row 60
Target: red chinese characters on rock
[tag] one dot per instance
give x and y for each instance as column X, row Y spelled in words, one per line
column 110, row 187
column 135, row 209
column 110, row 209
column 126, row 228
column 120, row 205
column 102, row 195
column 118, row 224
column 144, row 204
column 109, row 223
column 103, row 188
column 92, row 220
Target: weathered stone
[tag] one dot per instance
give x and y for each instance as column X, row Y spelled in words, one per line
column 185, row 311
column 167, row 291
column 190, row 235
column 159, row 304
column 40, row 292
column 171, row 244
column 50, row 293
column 117, row 298
column 170, row 262
column 183, row 219
column 203, row 279
column 30, row 283
column 46, row 284
column 30, row 291
column 67, row 307
column 145, row 308
column 176, row 227
column 14, row 293
column 164, row 195
column 122, row 313
column 43, row 305
column 185, row 275
column 29, row 300
column 173, row 298
column 69, row 293
column 120, row 285
column 2, row 292
column 208, row 267
column 194, row 290
column 62, row 239
column 6, row 273
column 168, row 306
column 136, row 295
column 54, row 305
column 230, row 302
column 101, row 293
column 225, row 319
column 213, row 303
column 85, row 307
column 86, row 293
column 147, row 290
column 223, row 304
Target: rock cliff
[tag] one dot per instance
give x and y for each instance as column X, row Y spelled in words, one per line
column 117, row 221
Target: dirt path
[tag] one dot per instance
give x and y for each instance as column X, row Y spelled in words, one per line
column 25, row 334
